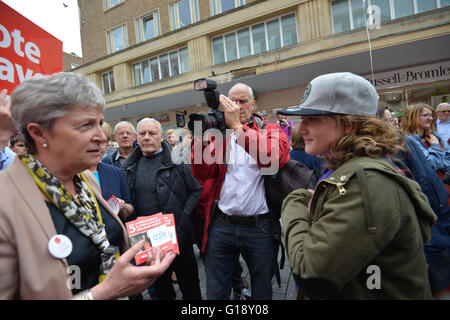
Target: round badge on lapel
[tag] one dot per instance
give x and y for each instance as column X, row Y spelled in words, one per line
column 60, row 246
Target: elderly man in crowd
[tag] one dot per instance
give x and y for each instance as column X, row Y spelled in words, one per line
column 156, row 185
column 125, row 135
column 241, row 222
column 443, row 123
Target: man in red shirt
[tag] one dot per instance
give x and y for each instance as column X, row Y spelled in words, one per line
column 241, row 222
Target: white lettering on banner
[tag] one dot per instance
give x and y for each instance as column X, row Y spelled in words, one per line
column 412, row 75
column 31, row 51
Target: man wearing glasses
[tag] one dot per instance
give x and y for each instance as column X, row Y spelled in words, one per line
column 443, row 123
column 125, row 135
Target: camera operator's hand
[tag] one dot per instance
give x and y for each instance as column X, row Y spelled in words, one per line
column 231, row 111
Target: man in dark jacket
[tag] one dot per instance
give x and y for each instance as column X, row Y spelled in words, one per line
column 158, row 185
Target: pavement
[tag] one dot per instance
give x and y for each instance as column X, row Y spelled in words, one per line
column 284, row 292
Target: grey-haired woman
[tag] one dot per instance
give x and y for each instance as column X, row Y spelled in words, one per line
column 58, row 237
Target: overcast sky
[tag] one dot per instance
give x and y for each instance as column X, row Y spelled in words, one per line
column 52, row 16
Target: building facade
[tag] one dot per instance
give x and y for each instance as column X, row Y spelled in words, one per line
column 146, row 54
column 71, row 61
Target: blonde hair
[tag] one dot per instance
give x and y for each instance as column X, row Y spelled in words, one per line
column 369, row 137
column 410, row 122
column 107, row 130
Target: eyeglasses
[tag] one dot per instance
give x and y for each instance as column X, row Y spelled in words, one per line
column 121, row 134
column 444, row 111
column 428, row 115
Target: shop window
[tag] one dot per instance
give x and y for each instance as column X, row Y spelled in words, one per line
column 117, row 38
column 258, row 38
column 108, row 82
column 220, row 6
column 147, row 26
column 431, row 94
column 183, row 13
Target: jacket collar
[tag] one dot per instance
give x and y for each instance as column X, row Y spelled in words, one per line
column 256, row 121
column 31, row 195
column 137, row 154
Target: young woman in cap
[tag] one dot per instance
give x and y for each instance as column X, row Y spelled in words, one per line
column 360, row 234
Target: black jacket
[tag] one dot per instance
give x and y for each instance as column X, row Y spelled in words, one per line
column 178, row 191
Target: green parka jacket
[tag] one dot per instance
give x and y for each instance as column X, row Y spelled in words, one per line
column 363, row 237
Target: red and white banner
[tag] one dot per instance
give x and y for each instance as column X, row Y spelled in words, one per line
column 26, row 49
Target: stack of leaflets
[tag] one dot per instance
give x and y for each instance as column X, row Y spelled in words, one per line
column 158, row 230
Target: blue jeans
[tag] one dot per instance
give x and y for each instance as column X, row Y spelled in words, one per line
column 256, row 245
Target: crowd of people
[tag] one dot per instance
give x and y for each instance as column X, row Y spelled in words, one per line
column 380, row 202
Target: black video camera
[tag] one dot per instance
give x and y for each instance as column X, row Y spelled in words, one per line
column 215, row 118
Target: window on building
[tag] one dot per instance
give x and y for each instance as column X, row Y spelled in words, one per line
column 273, row 34
column 349, row 14
column 231, row 46
column 245, row 48
column 184, row 60
column 117, row 38
column 154, row 67
column 112, row 3
column 219, row 6
column 385, row 9
column 425, row 5
column 108, row 82
column 147, row 26
column 404, row 8
column 163, row 66
column 183, row 13
column 73, row 65
column 261, row 37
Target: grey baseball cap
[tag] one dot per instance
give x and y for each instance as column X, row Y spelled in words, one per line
column 337, row 93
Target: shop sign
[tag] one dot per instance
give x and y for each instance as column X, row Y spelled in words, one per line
column 412, row 75
column 164, row 117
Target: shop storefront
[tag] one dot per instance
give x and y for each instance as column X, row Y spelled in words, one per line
column 429, row 84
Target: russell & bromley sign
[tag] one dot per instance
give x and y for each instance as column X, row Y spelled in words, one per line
column 412, row 75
